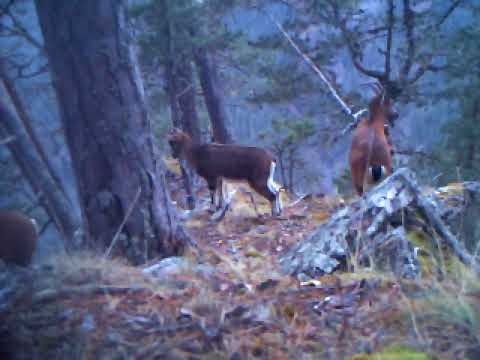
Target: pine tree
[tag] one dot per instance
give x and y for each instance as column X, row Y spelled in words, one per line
column 459, row 150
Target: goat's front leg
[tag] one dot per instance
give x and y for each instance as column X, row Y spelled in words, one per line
column 212, row 187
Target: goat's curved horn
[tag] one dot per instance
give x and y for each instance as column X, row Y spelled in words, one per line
column 379, row 89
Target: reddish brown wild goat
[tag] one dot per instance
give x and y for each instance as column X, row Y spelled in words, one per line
column 214, row 162
column 370, row 153
column 18, row 237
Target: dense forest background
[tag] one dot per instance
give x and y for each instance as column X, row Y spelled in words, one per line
column 224, row 71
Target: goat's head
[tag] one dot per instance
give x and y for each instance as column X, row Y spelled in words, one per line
column 178, row 141
column 381, row 104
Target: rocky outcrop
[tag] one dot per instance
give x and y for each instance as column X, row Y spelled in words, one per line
column 373, row 231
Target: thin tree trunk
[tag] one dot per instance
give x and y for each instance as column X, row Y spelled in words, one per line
column 183, row 113
column 108, row 132
column 50, row 196
column 185, row 94
column 174, row 110
column 27, row 124
column 282, row 168
column 213, row 95
column 291, row 162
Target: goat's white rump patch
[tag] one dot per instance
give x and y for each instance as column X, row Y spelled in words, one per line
column 270, row 182
column 274, row 188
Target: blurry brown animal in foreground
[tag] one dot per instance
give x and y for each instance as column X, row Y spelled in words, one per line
column 18, row 238
column 370, row 154
column 214, row 162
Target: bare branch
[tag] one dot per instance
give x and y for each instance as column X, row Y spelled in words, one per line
column 19, row 30
column 449, row 11
column 423, row 69
column 315, row 68
column 45, row 226
column 27, row 75
column 7, row 140
column 408, row 23
column 125, row 218
column 352, row 125
column 355, row 54
column 27, row 124
column 5, row 9
column 429, row 66
column 390, row 23
column 22, row 69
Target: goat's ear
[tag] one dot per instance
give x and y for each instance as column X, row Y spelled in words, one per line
column 378, row 88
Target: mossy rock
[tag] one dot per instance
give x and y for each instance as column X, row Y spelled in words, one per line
column 394, row 352
column 432, row 261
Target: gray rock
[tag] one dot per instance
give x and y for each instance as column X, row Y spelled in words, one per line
column 176, row 265
column 368, row 232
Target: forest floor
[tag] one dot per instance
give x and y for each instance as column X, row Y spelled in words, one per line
column 237, row 305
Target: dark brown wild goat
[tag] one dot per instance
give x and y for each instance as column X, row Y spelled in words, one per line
column 370, row 153
column 215, row 162
column 18, row 237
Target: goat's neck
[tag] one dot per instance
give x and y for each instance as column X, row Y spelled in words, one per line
column 377, row 120
column 188, row 153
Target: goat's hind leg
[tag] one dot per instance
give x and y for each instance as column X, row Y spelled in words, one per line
column 276, row 203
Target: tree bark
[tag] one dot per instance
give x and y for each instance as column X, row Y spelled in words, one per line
column 212, row 93
column 108, row 132
column 51, row 198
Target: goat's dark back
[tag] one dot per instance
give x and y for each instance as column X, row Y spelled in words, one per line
column 235, row 162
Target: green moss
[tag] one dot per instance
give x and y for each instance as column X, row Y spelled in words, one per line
column 394, row 352
column 428, row 258
column 418, row 238
column 431, row 260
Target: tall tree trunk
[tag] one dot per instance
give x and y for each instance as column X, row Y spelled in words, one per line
column 120, row 177
column 51, row 198
column 212, row 93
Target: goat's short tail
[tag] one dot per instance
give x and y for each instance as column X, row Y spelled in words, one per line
column 377, row 172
